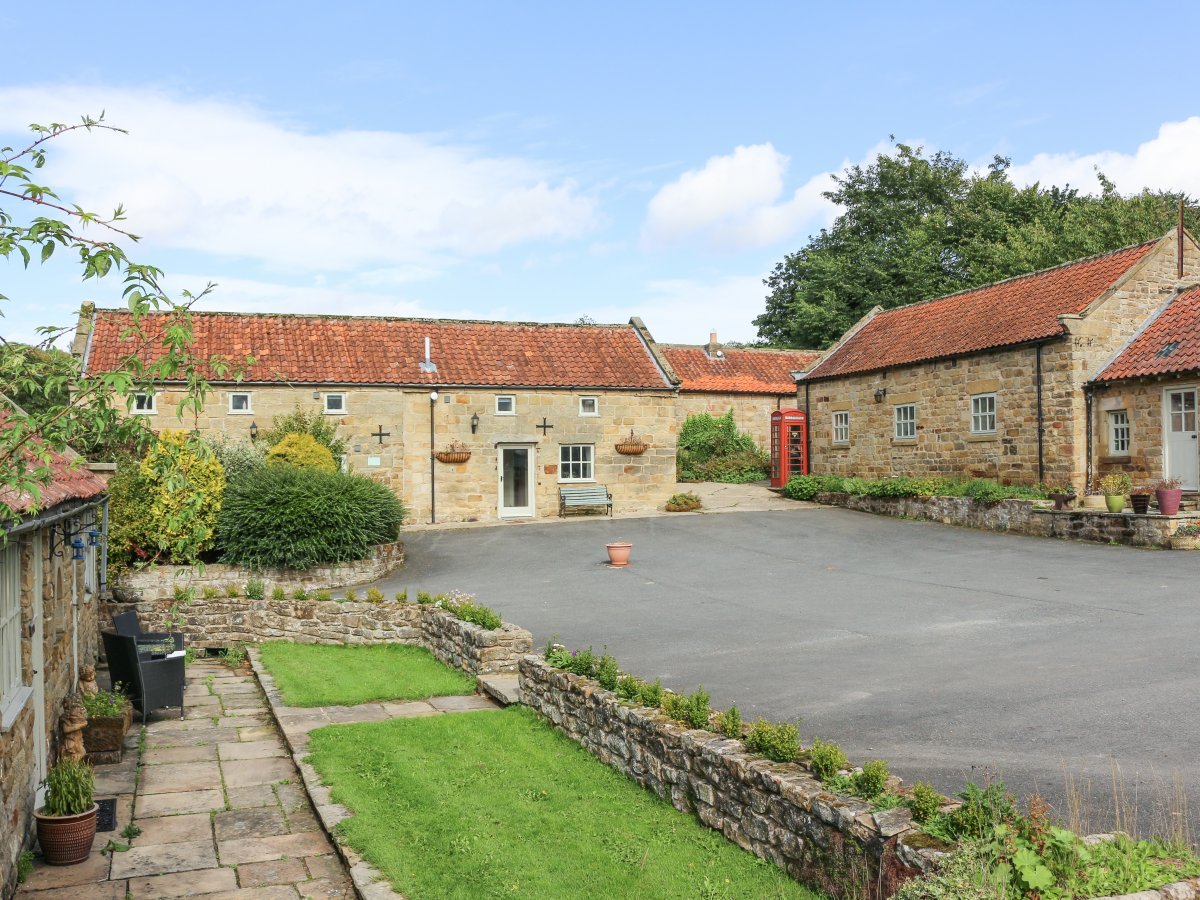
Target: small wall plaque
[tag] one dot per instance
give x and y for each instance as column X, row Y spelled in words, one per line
column 373, row 460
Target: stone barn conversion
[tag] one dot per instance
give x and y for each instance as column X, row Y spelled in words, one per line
column 752, row 382
column 989, row 382
column 528, row 407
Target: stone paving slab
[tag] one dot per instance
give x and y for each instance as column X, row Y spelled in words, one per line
column 173, row 829
column 250, row 749
column 184, row 884
column 180, row 802
column 168, row 755
column 162, row 859
column 179, row 777
column 235, row 824
column 261, row 849
column 277, row 871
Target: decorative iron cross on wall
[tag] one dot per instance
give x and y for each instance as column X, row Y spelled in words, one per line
column 544, row 426
column 380, row 433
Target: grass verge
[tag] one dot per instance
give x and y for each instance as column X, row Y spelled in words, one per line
column 487, row 804
column 319, row 675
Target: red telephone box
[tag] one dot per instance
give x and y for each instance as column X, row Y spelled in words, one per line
column 789, row 445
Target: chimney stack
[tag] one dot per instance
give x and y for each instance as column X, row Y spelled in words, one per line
column 713, row 346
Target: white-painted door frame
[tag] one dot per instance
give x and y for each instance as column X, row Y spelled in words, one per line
column 1181, row 449
column 41, row 739
column 517, row 512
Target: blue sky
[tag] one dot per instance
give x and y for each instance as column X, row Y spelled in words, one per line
column 547, row 161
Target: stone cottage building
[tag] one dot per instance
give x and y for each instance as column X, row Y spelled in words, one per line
column 752, row 382
column 987, row 382
column 49, row 595
column 1144, row 401
column 536, row 406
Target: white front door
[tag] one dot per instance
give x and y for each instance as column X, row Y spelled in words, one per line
column 516, row 480
column 1180, row 444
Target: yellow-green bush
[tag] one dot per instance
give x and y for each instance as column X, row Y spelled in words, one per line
column 185, row 482
column 302, row 451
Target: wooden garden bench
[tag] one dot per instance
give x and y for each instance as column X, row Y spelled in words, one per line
column 578, row 496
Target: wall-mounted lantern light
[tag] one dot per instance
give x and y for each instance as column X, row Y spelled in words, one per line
column 474, row 422
column 77, row 548
column 880, row 393
column 254, row 431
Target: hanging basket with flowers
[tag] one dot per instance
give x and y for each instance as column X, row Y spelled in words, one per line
column 632, row 446
column 455, row 452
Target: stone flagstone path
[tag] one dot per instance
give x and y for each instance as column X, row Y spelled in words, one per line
column 222, row 809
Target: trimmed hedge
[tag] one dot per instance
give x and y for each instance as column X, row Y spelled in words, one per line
column 298, row 518
column 302, row 451
column 981, row 490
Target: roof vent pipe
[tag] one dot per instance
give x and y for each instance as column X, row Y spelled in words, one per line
column 428, row 364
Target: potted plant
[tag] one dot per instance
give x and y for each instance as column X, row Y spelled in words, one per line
column 109, row 715
column 1139, row 498
column 685, row 502
column 1093, row 498
column 632, row 445
column 1186, row 537
column 66, row 825
column 618, row 553
column 1168, row 494
column 1062, row 496
column 455, row 452
column 1114, row 486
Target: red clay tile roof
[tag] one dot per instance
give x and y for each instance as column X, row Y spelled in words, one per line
column 741, row 371
column 365, row 350
column 1168, row 345
column 1009, row 312
column 69, row 481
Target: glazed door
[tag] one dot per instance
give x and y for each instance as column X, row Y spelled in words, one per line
column 516, row 481
column 1180, row 444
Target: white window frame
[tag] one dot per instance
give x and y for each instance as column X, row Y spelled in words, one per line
column 13, row 692
column 595, row 405
column 249, row 410
column 325, row 403
column 512, row 399
column 982, row 416
column 904, row 422
column 586, row 460
column 1119, row 432
column 149, row 410
column 840, row 427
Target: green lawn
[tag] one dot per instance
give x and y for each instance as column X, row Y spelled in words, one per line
column 319, row 675
column 490, row 804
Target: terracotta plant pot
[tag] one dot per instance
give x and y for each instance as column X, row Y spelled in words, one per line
column 1114, row 502
column 1140, row 503
column 618, row 553
column 66, row 840
column 1168, row 501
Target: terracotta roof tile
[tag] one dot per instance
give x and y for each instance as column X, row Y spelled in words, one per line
column 1009, row 312
column 1169, row 345
column 362, row 350
column 740, row 371
column 70, row 480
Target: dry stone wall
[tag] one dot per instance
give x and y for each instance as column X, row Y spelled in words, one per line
column 778, row 811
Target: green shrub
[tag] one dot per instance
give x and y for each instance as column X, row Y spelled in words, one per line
column 776, row 741
column 324, row 594
column 965, row 875
column 685, row 502
column 210, row 593
column 184, row 594
column 424, row 597
column 402, row 596
column 278, row 593
column 129, row 530
column 674, row 705
column 871, row 779
column 374, row 595
column 691, row 709
column 232, row 591
column 826, row 759
column 234, row 656
column 628, row 687
column 712, row 449
column 237, row 457
column 255, row 589
column 24, row 865
column 925, row 802
column 464, row 606
column 805, row 487
column 302, row 451
column 300, row 421
column 299, row 594
column 982, row 809
column 351, row 596
column 729, row 723
column 69, row 788
column 185, row 482
column 293, row 518
column 651, row 694
column 105, row 704
column 607, row 672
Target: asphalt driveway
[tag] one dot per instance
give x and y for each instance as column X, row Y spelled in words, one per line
column 950, row 653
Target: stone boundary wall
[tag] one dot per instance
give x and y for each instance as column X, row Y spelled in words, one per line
column 159, row 582
column 1021, row 517
column 223, row 622
column 778, row 811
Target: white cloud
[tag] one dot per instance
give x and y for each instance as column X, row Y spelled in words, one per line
column 224, row 178
column 1167, row 162
column 736, row 201
column 684, row 310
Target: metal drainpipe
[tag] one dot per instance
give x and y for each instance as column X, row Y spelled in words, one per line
column 432, row 461
column 1041, row 425
column 102, row 578
column 1089, row 394
column 807, row 433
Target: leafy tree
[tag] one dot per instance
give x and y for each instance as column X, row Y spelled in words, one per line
column 68, row 409
column 301, row 421
column 915, row 226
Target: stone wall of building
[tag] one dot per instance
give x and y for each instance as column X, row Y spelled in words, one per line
column 223, row 622
column 778, row 811
column 751, row 412
column 69, row 638
column 160, row 582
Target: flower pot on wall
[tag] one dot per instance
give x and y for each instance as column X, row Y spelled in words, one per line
column 1114, row 502
column 1062, row 501
column 453, row 456
column 66, row 840
column 1094, row 501
column 1140, row 503
column 618, row 553
column 1168, row 501
column 632, row 445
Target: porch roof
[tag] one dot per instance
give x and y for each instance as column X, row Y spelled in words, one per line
column 1168, row 345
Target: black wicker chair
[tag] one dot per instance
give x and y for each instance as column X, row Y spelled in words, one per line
column 151, row 683
column 128, row 624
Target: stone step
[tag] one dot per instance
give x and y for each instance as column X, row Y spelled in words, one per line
column 505, row 689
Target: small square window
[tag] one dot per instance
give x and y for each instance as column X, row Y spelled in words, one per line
column 575, row 462
column 335, row 404
column 983, row 414
column 841, row 427
column 506, row 405
column 143, row 404
column 905, row 422
column 240, row 403
column 589, row 406
column 1118, row 432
